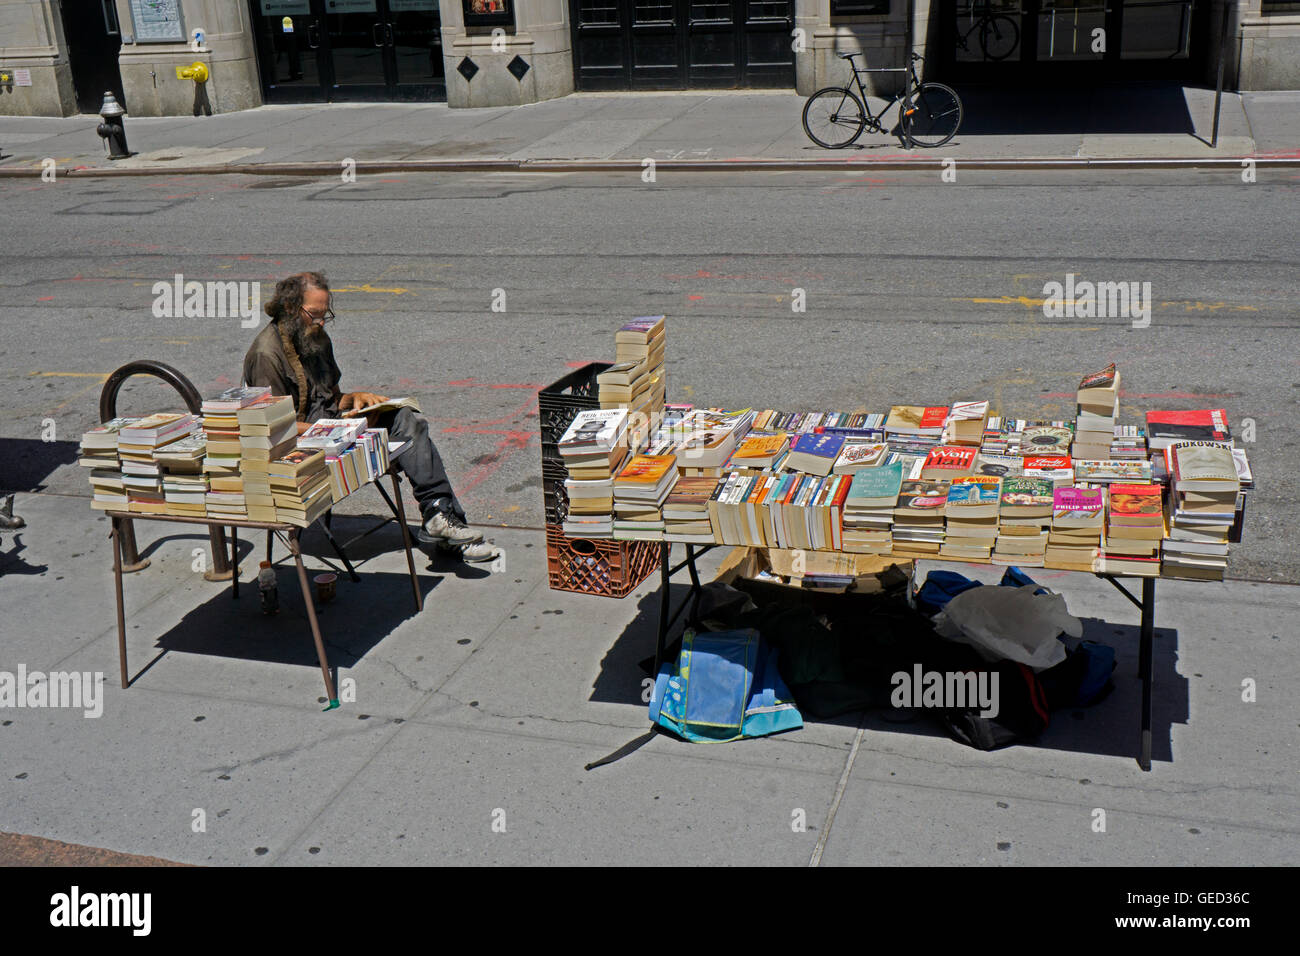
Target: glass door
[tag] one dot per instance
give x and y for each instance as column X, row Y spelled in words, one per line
column 290, row 53
column 359, row 50
column 414, row 36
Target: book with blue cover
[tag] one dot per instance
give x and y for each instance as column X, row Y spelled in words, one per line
column 814, row 454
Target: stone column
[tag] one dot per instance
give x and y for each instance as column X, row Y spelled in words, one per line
column 540, row 39
column 149, row 69
column 31, row 39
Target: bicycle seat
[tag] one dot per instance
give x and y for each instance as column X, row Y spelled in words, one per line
column 846, row 56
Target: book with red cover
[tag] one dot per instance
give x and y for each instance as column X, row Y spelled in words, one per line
column 949, row 461
column 1134, row 503
column 1202, row 424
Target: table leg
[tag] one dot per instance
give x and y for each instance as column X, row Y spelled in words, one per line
column 697, row 591
column 131, row 560
column 234, row 562
column 327, row 525
column 1145, row 666
column 406, row 539
column 311, row 616
column 121, row 611
column 664, row 582
column 220, row 570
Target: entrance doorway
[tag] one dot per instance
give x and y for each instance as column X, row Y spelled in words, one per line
column 1071, row 40
column 94, row 41
column 316, row 51
column 682, row 44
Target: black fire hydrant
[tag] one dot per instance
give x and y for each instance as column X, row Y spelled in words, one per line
column 112, row 130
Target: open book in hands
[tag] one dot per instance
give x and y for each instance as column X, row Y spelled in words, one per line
column 391, row 405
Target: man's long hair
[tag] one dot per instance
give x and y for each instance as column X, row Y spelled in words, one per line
column 289, row 293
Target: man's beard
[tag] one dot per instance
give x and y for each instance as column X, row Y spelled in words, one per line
column 311, row 344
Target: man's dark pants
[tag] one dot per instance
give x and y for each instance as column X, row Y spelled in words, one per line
column 420, row 462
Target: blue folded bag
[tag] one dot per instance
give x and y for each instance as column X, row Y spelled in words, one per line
column 723, row 686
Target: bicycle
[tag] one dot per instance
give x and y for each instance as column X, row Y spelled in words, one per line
column 998, row 35
column 929, row 114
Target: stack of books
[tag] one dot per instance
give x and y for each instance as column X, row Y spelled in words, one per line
column 222, row 457
column 184, row 486
column 918, row 518
column 593, row 449
column 300, row 487
column 869, row 509
column 1127, row 470
column 1058, row 469
column 966, row 423
column 137, row 443
column 759, row 450
column 1134, row 526
column 1202, row 509
column 358, row 464
column 640, row 489
column 1074, row 541
column 972, row 517
column 268, row 430
column 815, row 454
column 686, row 511
column 709, row 437
column 921, row 425
column 637, row 381
column 1129, row 441
column 1098, row 408
column 98, row 452
column 1204, row 424
column 1024, row 517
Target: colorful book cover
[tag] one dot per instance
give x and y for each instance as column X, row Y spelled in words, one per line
column 1134, row 500
column 916, row 417
column 1047, row 462
column 1022, row 491
column 882, row 482
column 928, row 496
column 861, row 454
column 1136, row 470
column 760, row 445
column 1040, row 439
column 647, row 469
column 951, row 458
column 1103, row 379
column 819, row 446
column 1077, row 502
column 975, row 490
column 1197, row 425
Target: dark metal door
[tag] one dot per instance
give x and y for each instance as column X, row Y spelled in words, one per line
column 680, row 44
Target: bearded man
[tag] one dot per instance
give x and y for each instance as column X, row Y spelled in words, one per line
column 295, row 357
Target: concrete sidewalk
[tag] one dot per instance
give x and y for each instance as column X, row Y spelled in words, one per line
column 1113, row 123
column 487, row 706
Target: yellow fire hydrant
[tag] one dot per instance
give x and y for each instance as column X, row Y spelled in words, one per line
column 196, row 71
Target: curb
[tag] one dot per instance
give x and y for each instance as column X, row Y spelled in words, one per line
column 332, row 169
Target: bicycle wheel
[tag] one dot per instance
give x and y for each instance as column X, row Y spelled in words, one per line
column 999, row 37
column 833, row 118
column 932, row 116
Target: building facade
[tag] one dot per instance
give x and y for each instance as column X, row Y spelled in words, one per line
column 58, row 57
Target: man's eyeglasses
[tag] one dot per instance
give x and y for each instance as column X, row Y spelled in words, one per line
column 323, row 319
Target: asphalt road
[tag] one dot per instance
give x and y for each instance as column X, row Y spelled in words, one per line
column 916, row 291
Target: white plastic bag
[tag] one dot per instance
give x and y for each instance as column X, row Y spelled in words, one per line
column 1010, row 623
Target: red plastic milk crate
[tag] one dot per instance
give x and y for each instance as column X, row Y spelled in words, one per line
column 596, row 566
